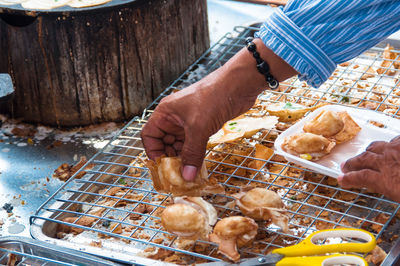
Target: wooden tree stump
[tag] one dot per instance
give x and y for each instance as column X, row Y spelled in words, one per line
column 107, row 64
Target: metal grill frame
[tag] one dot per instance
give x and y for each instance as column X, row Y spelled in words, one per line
column 31, row 252
column 112, row 164
column 29, row 255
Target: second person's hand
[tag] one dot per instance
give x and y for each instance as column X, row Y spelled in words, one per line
column 377, row 169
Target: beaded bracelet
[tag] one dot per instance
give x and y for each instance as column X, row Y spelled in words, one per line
column 262, row 66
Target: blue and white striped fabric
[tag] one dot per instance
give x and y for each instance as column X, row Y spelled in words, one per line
column 313, row 35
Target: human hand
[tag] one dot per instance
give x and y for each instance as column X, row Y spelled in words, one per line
column 183, row 122
column 377, row 169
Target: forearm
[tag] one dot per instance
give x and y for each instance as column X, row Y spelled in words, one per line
column 242, row 68
column 236, row 85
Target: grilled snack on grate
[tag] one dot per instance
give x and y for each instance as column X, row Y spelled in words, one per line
column 287, row 112
column 12, row 259
column 167, row 178
column 204, row 207
column 66, row 229
column 189, row 218
column 376, row 256
column 263, row 205
column 66, row 171
column 389, row 65
column 241, row 127
column 233, row 232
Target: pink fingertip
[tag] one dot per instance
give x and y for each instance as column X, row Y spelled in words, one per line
column 339, row 179
column 189, row 172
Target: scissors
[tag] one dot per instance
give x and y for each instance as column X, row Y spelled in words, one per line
column 306, row 252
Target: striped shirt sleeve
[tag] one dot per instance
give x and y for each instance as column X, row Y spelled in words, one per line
column 314, row 36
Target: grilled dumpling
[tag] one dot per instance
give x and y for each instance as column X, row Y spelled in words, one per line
column 313, row 145
column 262, row 204
column 184, row 221
column 233, row 232
column 327, row 124
column 167, row 178
column 349, row 130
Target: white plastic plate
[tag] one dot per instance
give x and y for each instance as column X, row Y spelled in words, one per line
column 330, row 164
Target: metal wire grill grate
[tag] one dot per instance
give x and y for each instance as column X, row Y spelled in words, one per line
column 114, row 204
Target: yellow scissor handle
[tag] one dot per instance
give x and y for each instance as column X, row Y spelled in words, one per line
column 336, row 259
column 309, row 246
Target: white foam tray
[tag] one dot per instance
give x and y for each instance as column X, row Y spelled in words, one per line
column 330, row 164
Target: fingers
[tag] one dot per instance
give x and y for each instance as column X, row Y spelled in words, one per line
column 366, row 178
column 189, row 172
column 366, row 160
column 193, row 152
column 170, row 151
column 169, row 139
column 154, row 146
column 178, row 145
column 162, row 135
column 377, row 147
column 396, row 139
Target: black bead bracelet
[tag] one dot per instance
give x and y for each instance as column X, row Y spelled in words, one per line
column 262, row 66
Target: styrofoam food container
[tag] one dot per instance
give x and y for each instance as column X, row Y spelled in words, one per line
column 330, row 164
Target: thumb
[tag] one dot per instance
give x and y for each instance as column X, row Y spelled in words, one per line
column 192, row 155
column 365, row 178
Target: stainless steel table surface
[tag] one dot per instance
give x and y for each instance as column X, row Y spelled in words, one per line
column 25, row 175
